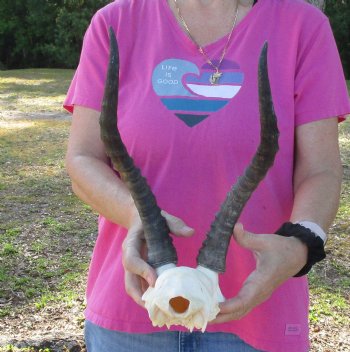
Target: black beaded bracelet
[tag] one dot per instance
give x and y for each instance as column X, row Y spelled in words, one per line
column 314, row 244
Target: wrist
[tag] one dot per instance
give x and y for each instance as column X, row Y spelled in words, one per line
column 315, row 228
column 134, row 219
column 314, row 243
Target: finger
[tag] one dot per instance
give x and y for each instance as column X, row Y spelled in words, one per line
column 134, row 240
column 253, row 292
column 144, row 285
column 230, row 310
column 134, row 264
column 177, row 226
column 132, row 261
column 133, row 288
column 233, row 309
column 247, row 239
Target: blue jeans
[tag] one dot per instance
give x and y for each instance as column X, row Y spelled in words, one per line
column 102, row 340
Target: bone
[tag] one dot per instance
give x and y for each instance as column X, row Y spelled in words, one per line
column 184, row 296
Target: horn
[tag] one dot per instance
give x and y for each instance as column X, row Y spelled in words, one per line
column 213, row 253
column 160, row 247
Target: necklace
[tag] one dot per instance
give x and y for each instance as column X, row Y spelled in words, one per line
column 215, row 77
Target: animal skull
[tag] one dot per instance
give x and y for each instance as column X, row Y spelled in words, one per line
column 184, row 296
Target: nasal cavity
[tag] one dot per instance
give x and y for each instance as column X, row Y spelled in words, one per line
column 179, row 304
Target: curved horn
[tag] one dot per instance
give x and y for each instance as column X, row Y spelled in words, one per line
column 213, row 253
column 160, row 248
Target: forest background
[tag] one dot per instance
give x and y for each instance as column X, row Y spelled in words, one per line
column 48, row 33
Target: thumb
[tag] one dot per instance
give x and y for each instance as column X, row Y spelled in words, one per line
column 246, row 239
column 177, row 226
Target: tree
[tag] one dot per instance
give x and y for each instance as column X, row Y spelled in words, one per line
column 319, row 3
column 49, row 33
column 43, row 33
column 72, row 20
column 339, row 16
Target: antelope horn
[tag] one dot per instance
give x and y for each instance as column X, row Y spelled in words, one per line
column 160, row 247
column 213, row 253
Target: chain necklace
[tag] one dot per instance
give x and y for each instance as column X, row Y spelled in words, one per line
column 215, row 77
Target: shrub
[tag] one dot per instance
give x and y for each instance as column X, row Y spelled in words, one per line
column 43, row 33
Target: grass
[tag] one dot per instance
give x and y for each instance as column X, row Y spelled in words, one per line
column 328, row 302
column 46, row 234
column 36, row 90
column 11, row 348
column 35, row 227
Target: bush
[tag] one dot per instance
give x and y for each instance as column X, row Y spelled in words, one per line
column 43, row 33
column 47, row 33
column 71, row 22
column 339, row 14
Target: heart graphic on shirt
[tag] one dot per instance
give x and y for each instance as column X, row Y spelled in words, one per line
column 186, row 90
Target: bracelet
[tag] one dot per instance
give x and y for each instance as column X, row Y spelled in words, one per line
column 314, row 244
column 316, row 229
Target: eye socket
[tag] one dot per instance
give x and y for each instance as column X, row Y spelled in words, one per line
column 179, row 304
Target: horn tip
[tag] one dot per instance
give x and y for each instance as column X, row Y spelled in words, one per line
column 111, row 32
column 264, row 49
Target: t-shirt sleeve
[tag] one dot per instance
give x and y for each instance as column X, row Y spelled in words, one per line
column 87, row 86
column 320, row 86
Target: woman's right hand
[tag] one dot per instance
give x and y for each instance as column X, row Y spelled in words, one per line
column 138, row 274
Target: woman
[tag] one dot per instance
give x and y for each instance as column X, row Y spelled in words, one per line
column 188, row 112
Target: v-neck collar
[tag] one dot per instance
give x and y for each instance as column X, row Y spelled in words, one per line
column 217, row 44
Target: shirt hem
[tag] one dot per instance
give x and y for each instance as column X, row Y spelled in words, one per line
column 312, row 116
column 302, row 345
column 69, row 105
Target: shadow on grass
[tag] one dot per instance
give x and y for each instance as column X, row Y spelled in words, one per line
column 46, row 345
column 35, row 74
column 33, row 90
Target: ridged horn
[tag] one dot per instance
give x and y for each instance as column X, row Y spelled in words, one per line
column 160, row 247
column 213, row 253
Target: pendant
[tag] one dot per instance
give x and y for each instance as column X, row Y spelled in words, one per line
column 214, row 78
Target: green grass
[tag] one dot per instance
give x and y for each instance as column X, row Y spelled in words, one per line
column 67, row 297
column 46, row 233
column 9, row 249
column 11, row 348
column 328, row 301
column 34, row 90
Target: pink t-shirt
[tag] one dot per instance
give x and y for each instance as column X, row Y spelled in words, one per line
column 192, row 141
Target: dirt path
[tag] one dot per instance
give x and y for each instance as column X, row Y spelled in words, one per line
column 19, row 115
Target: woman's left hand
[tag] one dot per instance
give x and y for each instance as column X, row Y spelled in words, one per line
column 277, row 259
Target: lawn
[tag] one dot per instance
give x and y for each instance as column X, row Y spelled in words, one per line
column 47, row 235
column 33, row 91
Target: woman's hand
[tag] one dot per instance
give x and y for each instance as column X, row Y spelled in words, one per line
column 277, row 259
column 138, row 274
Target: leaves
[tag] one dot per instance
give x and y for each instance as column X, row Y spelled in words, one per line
column 43, row 33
